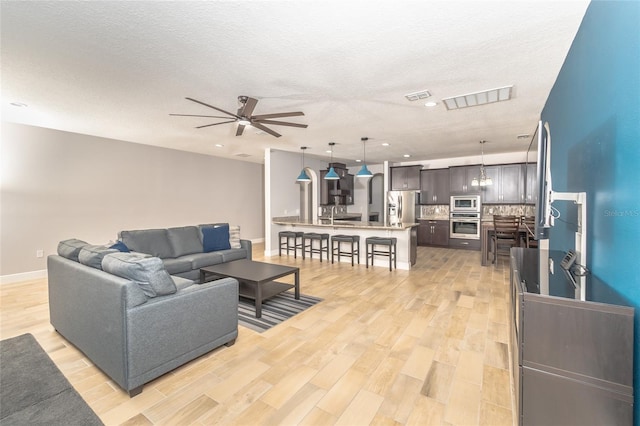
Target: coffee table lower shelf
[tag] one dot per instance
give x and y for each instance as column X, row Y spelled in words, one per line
column 269, row 289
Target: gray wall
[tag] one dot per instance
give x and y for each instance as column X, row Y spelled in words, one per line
column 57, row 185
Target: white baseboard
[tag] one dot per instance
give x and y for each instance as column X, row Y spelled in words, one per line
column 24, row 276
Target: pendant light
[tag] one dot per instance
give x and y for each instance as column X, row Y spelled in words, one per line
column 364, row 171
column 484, row 180
column 331, row 175
column 304, row 177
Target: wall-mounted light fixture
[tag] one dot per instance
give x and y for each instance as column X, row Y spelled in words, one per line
column 331, row 175
column 304, row 177
column 364, row 171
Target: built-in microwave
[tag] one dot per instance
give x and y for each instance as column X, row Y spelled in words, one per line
column 465, row 203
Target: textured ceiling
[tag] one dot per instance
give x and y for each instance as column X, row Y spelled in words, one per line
column 117, row 69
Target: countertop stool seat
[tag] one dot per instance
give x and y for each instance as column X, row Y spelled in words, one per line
column 353, row 240
column 390, row 251
column 287, row 245
column 307, row 244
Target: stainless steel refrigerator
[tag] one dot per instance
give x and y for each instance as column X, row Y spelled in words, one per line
column 401, row 207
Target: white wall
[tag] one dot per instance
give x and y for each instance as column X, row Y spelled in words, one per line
column 57, row 185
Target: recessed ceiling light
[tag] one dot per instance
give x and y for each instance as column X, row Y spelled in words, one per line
column 431, row 104
column 385, row 143
column 219, row 145
column 18, row 104
column 479, row 98
column 406, row 155
column 358, row 161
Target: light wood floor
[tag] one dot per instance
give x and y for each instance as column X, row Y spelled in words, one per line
column 423, row 347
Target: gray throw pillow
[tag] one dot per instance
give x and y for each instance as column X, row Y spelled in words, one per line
column 148, row 272
column 92, row 255
column 71, row 248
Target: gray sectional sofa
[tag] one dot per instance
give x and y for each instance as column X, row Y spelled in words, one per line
column 137, row 316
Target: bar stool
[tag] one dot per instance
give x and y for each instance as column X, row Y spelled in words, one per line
column 354, row 240
column 308, row 248
column 287, row 245
column 390, row 252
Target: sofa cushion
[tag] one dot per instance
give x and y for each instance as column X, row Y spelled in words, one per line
column 151, row 241
column 234, row 236
column 71, row 248
column 181, row 283
column 184, row 240
column 200, row 260
column 146, row 271
column 120, row 246
column 177, row 265
column 233, row 254
column 91, row 255
column 215, row 238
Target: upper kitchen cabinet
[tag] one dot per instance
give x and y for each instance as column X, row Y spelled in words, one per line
column 434, row 186
column 405, row 178
column 507, row 187
column 460, row 178
column 531, row 183
column 339, row 191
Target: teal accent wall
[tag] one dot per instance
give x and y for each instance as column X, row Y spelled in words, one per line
column 593, row 112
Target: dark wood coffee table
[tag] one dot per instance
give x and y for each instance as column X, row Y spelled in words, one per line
column 256, row 279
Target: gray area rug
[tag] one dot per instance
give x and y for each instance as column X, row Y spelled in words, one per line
column 33, row 391
column 274, row 310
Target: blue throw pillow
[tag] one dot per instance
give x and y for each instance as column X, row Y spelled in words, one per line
column 215, row 238
column 119, row 245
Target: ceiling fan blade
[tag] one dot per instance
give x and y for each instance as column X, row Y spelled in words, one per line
column 215, row 124
column 248, row 107
column 211, row 106
column 277, row 115
column 194, row 115
column 281, row 123
column 240, row 129
column 265, row 129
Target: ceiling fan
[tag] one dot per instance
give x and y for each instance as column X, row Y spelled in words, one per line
column 244, row 118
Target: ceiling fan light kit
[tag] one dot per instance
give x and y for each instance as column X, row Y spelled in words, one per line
column 245, row 118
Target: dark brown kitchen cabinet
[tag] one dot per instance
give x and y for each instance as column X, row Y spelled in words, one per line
column 339, row 191
column 434, row 186
column 405, row 178
column 508, row 184
column 433, row 233
column 460, row 178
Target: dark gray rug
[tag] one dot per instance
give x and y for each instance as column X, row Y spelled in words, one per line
column 274, row 310
column 33, row 391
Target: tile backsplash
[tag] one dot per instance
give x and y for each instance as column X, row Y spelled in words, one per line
column 428, row 211
column 508, row 209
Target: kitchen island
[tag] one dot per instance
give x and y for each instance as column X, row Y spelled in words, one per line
column 406, row 234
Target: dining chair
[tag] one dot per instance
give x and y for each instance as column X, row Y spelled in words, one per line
column 505, row 235
column 528, row 239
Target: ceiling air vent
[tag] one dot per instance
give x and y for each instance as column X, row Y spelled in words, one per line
column 242, row 155
column 415, row 96
column 479, row 98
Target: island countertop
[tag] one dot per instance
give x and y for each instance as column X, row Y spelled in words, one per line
column 295, row 221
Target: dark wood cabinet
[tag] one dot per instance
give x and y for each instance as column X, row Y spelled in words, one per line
column 460, row 178
column 508, row 184
column 434, row 186
column 433, row 233
column 339, row 191
column 405, row 178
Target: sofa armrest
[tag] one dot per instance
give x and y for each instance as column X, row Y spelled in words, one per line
column 248, row 246
column 167, row 331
